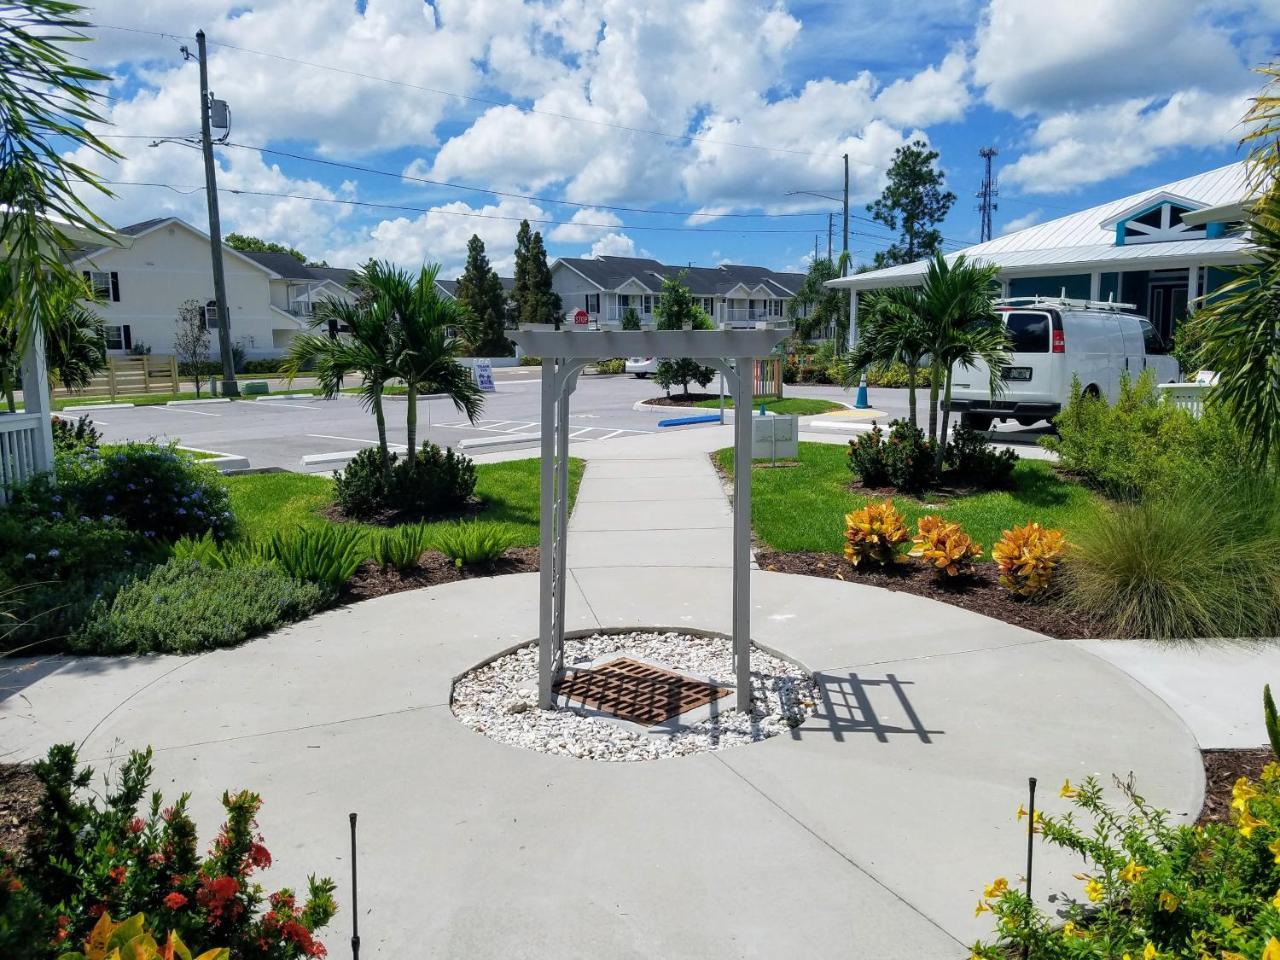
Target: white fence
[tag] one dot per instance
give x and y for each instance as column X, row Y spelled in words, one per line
column 19, row 450
column 1185, row 396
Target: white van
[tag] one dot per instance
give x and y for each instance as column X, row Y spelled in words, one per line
column 1054, row 339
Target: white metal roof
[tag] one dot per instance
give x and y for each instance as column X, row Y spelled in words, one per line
column 1082, row 239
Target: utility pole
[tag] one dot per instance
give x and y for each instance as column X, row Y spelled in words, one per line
column 815, row 248
column 987, row 195
column 229, row 386
column 831, row 225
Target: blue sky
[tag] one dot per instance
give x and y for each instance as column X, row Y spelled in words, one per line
column 710, row 111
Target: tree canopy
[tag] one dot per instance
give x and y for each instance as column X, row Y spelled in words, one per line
column 247, row 244
column 533, row 298
column 480, row 292
column 914, row 202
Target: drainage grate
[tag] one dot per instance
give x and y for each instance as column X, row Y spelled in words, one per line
column 638, row 692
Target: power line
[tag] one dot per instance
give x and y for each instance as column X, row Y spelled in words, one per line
column 489, row 101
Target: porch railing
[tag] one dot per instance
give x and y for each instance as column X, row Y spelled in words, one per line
column 19, row 450
column 1185, row 396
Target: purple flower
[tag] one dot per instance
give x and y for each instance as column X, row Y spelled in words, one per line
column 55, row 552
column 110, row 497
column 182, row 512
column 31, row 556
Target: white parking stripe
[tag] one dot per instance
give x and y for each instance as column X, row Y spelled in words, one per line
column 165, row 406
column 327, row 436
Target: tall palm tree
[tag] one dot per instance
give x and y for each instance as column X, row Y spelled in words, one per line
column 366, row 347
column 980, row 341
column 426, row 346
column 893, row 330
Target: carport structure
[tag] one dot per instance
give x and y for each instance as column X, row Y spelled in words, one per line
column 564, row 354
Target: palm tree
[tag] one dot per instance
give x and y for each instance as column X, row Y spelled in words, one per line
column 75, row 344
column 976, row 342
column 366, row 347
column 893, row 331
column 426, row 346
column 1239, row 324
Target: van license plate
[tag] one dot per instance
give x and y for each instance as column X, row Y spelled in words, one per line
column 1015, row 373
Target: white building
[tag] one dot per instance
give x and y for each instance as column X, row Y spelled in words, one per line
column 142, row 278
column 606, row 287
column 1158, row 250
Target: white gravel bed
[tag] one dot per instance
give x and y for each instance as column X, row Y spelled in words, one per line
column 500, row 699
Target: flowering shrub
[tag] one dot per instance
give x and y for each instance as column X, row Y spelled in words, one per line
column 184, row 606
column 151, row 489
column 130, row 940
column 69, row 437
column 944, row 546
column 874, row 534
column 1151, row 890
column 1027, row 558
column 87, row 858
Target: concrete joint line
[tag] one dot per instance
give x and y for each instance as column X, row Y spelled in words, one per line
column 585, row 599
column 939, row 656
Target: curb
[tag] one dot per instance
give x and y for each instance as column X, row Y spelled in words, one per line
column 192, row 403
column 222, row 462
column 95, row 406
column 484, row 442
column 290, row 396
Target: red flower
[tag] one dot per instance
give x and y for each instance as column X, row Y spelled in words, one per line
column 136, row 825
column 175, row 901
column 156, row 859
column 97, row 910
column 259, row 856
column 118, row 873
column 214, row 894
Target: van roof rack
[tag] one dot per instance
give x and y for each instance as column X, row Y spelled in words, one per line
column 1065, row 301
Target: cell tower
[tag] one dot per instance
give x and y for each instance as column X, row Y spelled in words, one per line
column 987, row 195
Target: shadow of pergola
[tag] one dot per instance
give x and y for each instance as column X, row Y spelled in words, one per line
column 845, row 707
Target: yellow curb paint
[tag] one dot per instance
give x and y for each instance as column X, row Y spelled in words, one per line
column 853, row 414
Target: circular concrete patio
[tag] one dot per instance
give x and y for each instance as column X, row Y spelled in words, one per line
column 867, row 833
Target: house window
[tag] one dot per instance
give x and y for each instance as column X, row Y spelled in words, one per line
column 211, row 315
column 647, row 303
column 593, row 302
column 118, row 337
column 624, row 301
column 105, row 286
column 709, row 305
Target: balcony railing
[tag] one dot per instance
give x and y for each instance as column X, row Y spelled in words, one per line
column 19, row 450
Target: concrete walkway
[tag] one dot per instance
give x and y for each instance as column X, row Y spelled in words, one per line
column 869, row 831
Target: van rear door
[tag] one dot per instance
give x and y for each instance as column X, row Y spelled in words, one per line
column 1029, row 373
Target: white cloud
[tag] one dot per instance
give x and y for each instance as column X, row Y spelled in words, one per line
column 585, row 225
column 936, row 94
column 1021, row 223
column 1076, row 149
column 614, row 245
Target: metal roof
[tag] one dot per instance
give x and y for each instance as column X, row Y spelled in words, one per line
column 1081, row 240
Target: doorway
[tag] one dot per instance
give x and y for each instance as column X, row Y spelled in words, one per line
column 1166, row 305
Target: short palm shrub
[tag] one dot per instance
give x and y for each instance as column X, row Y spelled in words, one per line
column 974, row 461
column 874, row 534
column 903, row 460
column 474, row 544
column 1200, row 561
column 92, row 854
column 1149, row 889
column 1028, row 557
column 399, row 548
column 184, row 606
column 327, row 555
column 944, row 546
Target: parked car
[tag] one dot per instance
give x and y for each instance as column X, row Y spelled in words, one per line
column 642, row 366
column 1054, row 340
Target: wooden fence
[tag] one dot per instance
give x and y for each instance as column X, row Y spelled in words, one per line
column 768, row 377
column 130, row 376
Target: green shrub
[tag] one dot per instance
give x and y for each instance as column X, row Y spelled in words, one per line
column 70, row 437
column 327, row 555
column 184, row 606
column 265, row 365
column 528, row 361
column 400, row 547
column 866, row 457
column 975, row 461
column 1198, row 561
column 897, row 376
column 904, row 460
column 439, row 482
column 122, row 852
column 477, row 543
column 1139, row 446
column 58, row 569
column 151, row 489
column 362, row 488
column 614, row 365
column 1149, row 888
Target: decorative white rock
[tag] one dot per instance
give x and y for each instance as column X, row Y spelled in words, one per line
column 499, row 699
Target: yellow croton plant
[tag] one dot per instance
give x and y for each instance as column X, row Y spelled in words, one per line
column 129, row 940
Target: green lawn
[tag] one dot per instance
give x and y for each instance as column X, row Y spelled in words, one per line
column 791, row 406
column 802, row 508
column 266, row 502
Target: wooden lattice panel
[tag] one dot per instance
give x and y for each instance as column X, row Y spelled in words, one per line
column 637, row 692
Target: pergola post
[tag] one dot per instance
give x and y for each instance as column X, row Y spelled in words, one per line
column 35, row 397
column 742, row 399
column 547, row 529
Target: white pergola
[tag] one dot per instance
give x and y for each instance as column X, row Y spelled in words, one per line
column 564, row 354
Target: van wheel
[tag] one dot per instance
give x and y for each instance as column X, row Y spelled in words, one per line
column 641, row 376
column 1091, row 392
column 975, row 421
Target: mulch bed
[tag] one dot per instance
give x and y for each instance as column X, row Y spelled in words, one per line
column 979, row 591
column 433, row 568
column 1221, row 769
column 680, row 400
column 20, row 798
column 393, row 518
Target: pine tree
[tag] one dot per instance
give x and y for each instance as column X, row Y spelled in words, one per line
column 915, row 201
column 546, row 306
column 520, row 294
column 480, row 291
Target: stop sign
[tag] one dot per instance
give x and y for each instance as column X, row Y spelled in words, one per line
column 581, row 316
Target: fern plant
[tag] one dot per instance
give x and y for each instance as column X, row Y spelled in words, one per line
column 474, row 544
column 400, row 547
column 328, row 555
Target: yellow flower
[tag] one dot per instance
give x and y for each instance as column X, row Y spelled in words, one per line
column 1272, row 950
column 1132, row 873
column 996, row 887
column 1231, row 955
column 1094, row 890
column 1168, row 902
column 1271, row 771
column 1275, row 901
column 1241, row 793
column 1069, row 929
column 1067, row 789
column 1248, row 822
column 981, row 908
column 1149, row 951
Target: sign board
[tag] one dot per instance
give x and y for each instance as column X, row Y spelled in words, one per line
column 581, row 317
column 484, row 376
column 774, row 437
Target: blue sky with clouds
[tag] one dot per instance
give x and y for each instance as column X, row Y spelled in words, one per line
column 700, row 115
